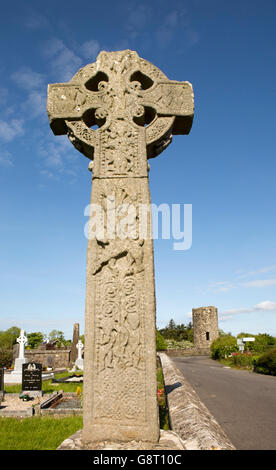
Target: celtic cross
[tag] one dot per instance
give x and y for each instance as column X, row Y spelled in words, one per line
column 136, row 110
column 22, row 340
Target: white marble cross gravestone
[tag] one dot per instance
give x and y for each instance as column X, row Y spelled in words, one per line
column 79, row 361
column 21, row 359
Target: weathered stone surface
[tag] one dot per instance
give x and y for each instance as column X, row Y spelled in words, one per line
column 55, row 358
column 137, row 110
column 205, row 323
column 189, row 417
column 169, row 440
column 76, row 337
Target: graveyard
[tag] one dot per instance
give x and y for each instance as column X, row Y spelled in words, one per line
column 138, row 268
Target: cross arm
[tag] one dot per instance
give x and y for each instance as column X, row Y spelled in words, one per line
column 172, row 98
column 68, row 101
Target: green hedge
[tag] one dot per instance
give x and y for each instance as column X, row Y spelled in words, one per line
column 266, row 364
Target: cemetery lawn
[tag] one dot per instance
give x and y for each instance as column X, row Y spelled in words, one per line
column 48, row 386
column 37, row 433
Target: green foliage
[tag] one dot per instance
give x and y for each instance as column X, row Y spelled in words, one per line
column 161, row 344
column 59, row 336
column 177, row 332
column 243, row 359
column 223, row 346
column 6, row 357
column 263, row 342
column 8, row 337
column 266, row 364
column 34, row 339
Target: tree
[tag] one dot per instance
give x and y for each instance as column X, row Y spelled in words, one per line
column 34, row 339
column 59, row 336
column 160, row 342
column 8, row 337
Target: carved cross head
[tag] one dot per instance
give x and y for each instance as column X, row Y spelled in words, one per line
column 22, row 338
column 79, row 346
column 120, row 111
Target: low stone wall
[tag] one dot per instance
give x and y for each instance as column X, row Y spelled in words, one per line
column 187, row 352
column 54, row 358
column 189, row 417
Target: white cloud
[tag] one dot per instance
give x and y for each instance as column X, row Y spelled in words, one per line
column 5, row 158
column 221, row 286
column 90, row 49
column 35, row 21
column 266, row 269
column 138, row 17
column 11, row 130
column 266, row 305
column 3, row 95
column 35, row 105
column 64, row 62
column 177, row 19
column 260, row 283
column 28, row 79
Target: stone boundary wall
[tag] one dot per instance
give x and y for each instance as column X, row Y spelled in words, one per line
column 189, row 417
column 60, row 358
column 187, row 352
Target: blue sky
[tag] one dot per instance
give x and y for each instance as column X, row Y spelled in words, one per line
column 225, row 168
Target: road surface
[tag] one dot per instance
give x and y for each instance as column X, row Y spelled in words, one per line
column 243, row 403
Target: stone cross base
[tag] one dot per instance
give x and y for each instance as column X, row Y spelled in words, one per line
column 18, row 365
column 169, row 440
column 79, row 364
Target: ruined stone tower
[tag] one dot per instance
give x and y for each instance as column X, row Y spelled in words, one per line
column 205, row 323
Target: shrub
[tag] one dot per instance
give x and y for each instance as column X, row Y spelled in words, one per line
column 243, row 359
column 223, row 346
column 6, row 357
column 173, row 344
column 263, row 342
column 161, row 344
column 266, row 364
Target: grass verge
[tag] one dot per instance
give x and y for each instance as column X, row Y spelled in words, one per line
column 37, row 433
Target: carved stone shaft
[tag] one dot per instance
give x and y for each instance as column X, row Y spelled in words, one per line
column 137, row 110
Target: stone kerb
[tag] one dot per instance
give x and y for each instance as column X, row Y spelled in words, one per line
column 189, row 417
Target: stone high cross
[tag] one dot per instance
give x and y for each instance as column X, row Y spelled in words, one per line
column 137, row 110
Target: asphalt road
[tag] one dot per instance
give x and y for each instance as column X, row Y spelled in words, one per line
column 243, row 403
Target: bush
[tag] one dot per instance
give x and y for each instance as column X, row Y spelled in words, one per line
column 263, row 342
column 161, row 344
column 6, row 357
column 223, row 346
column 266, row 364
column 243, row 359
column 173, row 344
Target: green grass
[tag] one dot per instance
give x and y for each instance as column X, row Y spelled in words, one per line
column 163, row 411
column 37, row 433
column 48, row 386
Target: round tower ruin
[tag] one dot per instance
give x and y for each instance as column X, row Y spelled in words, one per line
column 205, row 323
